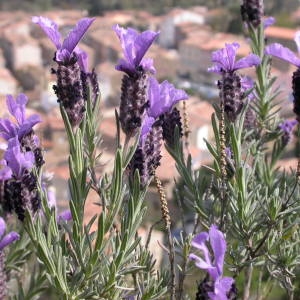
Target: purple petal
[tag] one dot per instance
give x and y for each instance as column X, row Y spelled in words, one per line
column 134, row 46
column 62, row 55
column 154, row 97
column 201, row 263
column 50, row 28
column 65, row 216
column 8, row 239
column 17, row 160
column 8, row 129
column 269, row 22
column 147, row 64
column 27, row 126
column 82, row 59
column 218, row 245
column 222, row 286
column 2, row 227
column 142, row 44
column 224, row 58
column 163, row 97
column 76, row 34
column 284, row 53
column 247, row 62
column 17, row 107
column 5, row 173
column 146, row 127
column 297, row 40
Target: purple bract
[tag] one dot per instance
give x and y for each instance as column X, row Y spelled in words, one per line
column 16, row 160
column 135, row 46
column 284, row 53
column 7, row 239
column 163, row 97
column 17, row 107
column 213, row 266
column 225, row 60
column 66, row 48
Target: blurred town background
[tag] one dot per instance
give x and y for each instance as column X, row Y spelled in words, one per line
column 189, row 32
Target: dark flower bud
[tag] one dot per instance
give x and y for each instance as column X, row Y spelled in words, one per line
column 69, row 90
column 22, row 194
column 252, row 12
column 147, row 156
column 296, row 92
column 231, row 94
column 133, row 101
column 169, row 122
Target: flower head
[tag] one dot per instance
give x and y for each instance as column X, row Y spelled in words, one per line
column 135, row 46
column 7, row 239
column 252, row 11
column 213, row 265
column 225, row 60
column 163, row 97
column 68, row 45
column 16, row 160
column 23, row 125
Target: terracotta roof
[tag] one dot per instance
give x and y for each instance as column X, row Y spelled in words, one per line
column 280, row 32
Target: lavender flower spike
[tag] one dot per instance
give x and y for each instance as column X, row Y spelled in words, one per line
column 231, row 93
column 134, row 46
column 225, row 60
column 66, row 48
column 222, row 286
column 7, row 239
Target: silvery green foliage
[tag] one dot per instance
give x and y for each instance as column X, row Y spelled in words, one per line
column 255, row 205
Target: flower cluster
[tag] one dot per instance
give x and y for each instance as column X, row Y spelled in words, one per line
column 72, row 74
column 216, row 286
column 145, row 103
column 23, row 153
column 230, row 86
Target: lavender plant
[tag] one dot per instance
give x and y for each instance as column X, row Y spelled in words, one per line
column 248, row 206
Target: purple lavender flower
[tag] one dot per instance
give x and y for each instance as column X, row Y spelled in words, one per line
column 66, row 48
column 134, row 90
column 72, row 62
column 17, row 108
column 225, row 60
column 286, row 128
column 222, row 286
column 22, row 128
column 18, row 161
column 252, row 12
column 230, row 87
column 7, row 239
column 163, row 97
column 20, row 191
column 286, row 54
column 135, row 46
